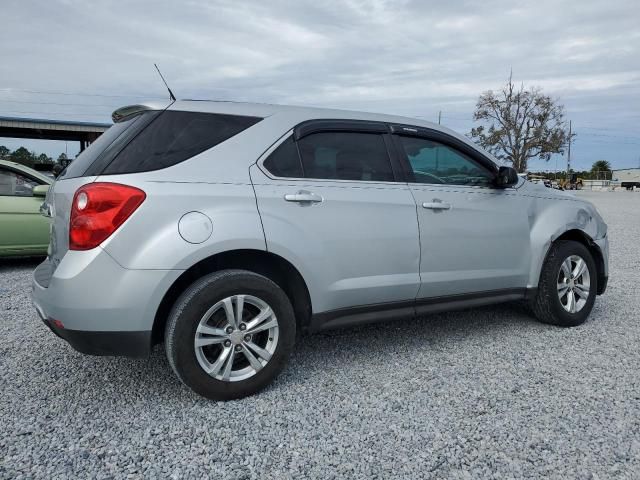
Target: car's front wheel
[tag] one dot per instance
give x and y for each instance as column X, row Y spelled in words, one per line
column 568, row 285
column 229, row 334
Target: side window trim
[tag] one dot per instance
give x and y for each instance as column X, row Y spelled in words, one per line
column 397, row 165
column 408, row 171
column 295, row 142
column 338, row 125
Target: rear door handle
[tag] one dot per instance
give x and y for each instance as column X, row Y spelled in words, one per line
column 437, row 205
column 303, row 197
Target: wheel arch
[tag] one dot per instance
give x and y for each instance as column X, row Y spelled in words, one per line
column 272, row 266
column 582, row 237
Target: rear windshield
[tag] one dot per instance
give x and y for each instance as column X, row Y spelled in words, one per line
column 81, row 164
column 155, row 140
column 173, row 137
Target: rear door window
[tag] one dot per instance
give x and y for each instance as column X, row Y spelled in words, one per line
column 175, row 136
column 346, row 156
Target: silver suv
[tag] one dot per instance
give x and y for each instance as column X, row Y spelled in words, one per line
column 224, row 229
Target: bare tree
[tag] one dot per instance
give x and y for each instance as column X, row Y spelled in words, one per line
column 517, row 124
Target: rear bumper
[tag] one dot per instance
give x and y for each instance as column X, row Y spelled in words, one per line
column 127, row 344
column 97, row 306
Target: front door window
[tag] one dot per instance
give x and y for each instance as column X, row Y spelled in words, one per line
column 436, row 163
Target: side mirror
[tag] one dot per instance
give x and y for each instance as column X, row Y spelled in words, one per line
column 40, row 190
column 507, row 177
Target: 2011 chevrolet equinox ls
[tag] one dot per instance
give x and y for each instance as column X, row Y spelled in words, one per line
column 224, row 228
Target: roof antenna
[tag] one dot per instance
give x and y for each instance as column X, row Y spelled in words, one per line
column 171, row 95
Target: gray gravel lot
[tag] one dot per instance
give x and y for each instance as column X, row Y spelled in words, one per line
column 483, row 393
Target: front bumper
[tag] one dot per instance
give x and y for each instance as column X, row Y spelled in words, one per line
column 603, row 278
column 98, row 306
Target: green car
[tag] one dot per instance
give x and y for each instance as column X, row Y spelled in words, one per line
column 23, row 230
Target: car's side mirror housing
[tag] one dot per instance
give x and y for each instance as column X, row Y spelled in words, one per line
column 506, row 177
column 40, row 190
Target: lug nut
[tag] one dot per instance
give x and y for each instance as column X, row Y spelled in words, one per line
column 247, row 338
column 227, row 343
column 229, row 330
column 243, row 326
column 238, row 348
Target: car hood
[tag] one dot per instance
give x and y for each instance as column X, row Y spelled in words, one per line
column 539, row 190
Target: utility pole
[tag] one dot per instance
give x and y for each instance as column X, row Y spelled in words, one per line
column 439, row 116
column 569, row 151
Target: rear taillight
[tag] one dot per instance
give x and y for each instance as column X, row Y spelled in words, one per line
column 98, row 210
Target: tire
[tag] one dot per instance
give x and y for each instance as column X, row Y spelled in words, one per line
column 549, row 305
column 238, row 376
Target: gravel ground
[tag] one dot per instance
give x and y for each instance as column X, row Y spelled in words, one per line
column 486, row 393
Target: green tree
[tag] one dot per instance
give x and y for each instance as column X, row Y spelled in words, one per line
column 4, row 152
column 62, row 158
column 44, row 158
column 518, row 124
column 23, row 156
column 601, row 166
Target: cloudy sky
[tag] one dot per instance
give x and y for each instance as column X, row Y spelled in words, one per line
column 81, row 59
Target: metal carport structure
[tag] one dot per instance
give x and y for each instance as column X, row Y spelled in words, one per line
column 83, row 132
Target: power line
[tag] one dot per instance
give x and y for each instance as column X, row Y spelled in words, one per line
column 54, row 92
column 597, row 129
column 612, row 136
column 63, row 104
column 580, row 139
column 55, row 113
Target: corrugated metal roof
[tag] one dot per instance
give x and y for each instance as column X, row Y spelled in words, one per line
column 39, row 123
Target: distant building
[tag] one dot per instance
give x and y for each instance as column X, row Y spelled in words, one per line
column 626, row 175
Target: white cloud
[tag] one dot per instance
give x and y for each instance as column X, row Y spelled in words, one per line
column 406, row 57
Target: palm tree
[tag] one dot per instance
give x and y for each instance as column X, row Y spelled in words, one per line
column 601, row 169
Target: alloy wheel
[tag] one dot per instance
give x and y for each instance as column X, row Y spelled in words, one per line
column 574, row 283
column 236, row 338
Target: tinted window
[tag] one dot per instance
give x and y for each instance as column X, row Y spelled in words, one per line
column 434, row 162
column 13, row 184
column 284, row 161
column 345, row 156
column 173, row 137
column 83, row 162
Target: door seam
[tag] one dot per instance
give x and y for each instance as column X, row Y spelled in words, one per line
column 415, row 202
column 255, row 197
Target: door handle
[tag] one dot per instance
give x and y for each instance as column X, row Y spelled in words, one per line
column 303, row 197
column 437, row 205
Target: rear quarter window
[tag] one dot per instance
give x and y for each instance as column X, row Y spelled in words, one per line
column 175, row 136
column 285, row 161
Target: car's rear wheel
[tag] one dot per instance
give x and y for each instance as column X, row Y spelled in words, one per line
column 568, row 285
column 230, row 334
